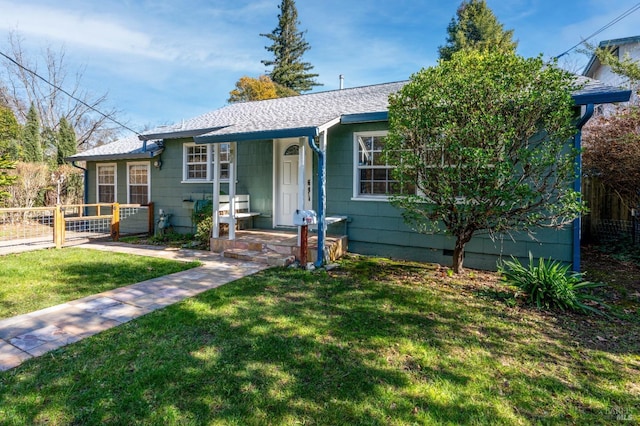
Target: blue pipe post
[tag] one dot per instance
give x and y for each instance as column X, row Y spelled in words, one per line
column 322, row 174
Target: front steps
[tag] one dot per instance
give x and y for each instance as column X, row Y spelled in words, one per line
column 276, row 248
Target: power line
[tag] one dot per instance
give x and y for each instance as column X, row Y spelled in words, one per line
column 68, row 94
column 607, row 26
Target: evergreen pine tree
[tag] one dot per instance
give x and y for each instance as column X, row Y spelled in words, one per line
column 476, row 27
column 288, row 47
column 66, row 141
column 9, row 134
column 32, row 140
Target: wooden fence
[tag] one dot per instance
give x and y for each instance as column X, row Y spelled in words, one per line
column 62, row 224
column 609, row 215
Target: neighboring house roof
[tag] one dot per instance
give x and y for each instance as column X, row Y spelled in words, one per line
column 594, row 61
column 124, row 149
column 296, row 116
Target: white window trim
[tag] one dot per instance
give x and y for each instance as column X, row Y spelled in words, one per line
column 209, row 178
column 356, row 196
column 115, row 180
column 139, row 163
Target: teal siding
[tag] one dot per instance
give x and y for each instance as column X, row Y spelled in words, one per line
column 377, row 228
column 255, row 177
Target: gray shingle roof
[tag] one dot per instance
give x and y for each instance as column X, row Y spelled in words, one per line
column 295, row 112
column 123, row 149
column 295, row 116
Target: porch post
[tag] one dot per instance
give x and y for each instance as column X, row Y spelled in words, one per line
column 301, row 182
column 216, row 192
column 232, row 194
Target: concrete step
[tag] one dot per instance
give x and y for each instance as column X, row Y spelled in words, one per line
column 266, row 257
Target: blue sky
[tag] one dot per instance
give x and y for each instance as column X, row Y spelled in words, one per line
column 161, row 61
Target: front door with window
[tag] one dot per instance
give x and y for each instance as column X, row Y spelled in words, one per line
column 287, row 181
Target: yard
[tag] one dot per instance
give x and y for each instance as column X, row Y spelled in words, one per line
column 372, row 342
column 36, row 280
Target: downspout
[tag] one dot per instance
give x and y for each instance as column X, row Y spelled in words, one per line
column 577, row 185
column 86, row 181
column 322, row 174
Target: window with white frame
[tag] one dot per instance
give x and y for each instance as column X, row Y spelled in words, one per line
column 106, row 183
column 199, row 159
column 138, row 178
column 372, row 174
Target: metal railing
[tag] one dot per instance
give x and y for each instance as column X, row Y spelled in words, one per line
column 62, row 224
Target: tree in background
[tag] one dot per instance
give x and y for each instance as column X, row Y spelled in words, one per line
column 612, row 153
column 482, row 138
column 10, row 131
column 5, row 178
column 258, row 89
column 612, row 141
column 66, row 141
column 476, row 27
column 31, row 138
column 20, row 89
column 288, row 47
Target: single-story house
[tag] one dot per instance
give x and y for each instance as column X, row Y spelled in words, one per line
column 315, row 151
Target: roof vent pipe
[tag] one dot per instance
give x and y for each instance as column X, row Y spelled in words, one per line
column 341, row 81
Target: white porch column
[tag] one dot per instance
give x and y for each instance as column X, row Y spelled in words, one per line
column 215, row 231
column 232, row 193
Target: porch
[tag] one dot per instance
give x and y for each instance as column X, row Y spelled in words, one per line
column 276, row 247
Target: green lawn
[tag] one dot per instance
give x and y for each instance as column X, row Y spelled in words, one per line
column 374, row 342
column 35, row 280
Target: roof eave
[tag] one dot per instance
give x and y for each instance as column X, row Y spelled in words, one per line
column 602, row 98
column 366, row 117
column 178, row 134
column 117, row 157
column 258, row 135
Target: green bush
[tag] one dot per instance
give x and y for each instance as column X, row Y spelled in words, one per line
column 550, row 284
column 203, row 222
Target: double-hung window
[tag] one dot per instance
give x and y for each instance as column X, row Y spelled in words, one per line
column 372, row 174
column 106, row 183
column 138, row 189
column 199, row 159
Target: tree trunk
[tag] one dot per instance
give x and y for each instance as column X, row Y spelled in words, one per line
column 458, row 251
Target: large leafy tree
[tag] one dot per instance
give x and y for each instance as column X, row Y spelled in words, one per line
column 482, row 138
column 258, row 89
column 476, row 27
column 31, row 137
column 288, row 46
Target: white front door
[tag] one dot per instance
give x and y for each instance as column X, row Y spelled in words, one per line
column 287, row 181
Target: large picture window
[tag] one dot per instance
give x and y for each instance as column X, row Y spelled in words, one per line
column 199, row 159
column 372, row 174
column 106, row 183
column 138, row 189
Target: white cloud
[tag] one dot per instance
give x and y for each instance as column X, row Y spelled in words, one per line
column 79, row 29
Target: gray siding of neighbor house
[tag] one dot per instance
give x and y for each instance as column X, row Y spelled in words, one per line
column 377, row 228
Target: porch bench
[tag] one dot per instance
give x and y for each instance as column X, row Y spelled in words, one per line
column 242, row 206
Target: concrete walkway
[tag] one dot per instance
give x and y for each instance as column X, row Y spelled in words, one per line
column 34, row 334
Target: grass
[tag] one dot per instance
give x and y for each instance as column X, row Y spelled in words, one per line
column 374, row 342
column 39, row 279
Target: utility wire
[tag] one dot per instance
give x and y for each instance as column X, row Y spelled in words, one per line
column 68, row 94
column 607, row 26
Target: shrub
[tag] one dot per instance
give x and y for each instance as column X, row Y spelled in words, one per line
column 550, row 284
column 203, row 222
